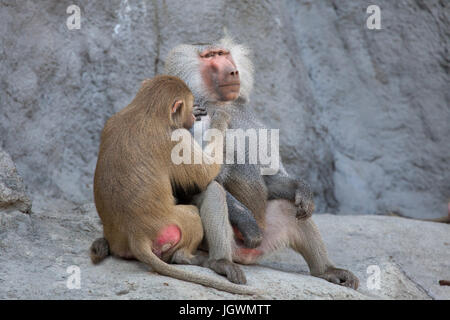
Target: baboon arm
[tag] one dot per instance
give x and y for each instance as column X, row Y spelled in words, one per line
column 282, row 186
column 209, row 169
column 214, row 148
column 249, row 190
column 211, row 165
column 218, row 232
column 202, row 169
column 242, row 218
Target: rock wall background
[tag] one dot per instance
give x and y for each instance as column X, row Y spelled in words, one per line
column 364, row 115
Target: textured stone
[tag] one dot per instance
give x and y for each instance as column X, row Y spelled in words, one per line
column 12, row 190
column 37, row 249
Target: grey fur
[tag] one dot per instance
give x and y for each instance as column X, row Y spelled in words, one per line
column 292, row 196
column 243, row 219
column 183, row 61
column 219, row 232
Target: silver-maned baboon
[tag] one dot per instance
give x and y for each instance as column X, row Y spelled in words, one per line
column 220, row 75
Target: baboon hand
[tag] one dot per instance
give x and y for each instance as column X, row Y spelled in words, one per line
column 341, row 277
column 252, row 239
column 250, row 234
column 304, row 203
column 199, row 111
column 231, row 270
column 220, row 120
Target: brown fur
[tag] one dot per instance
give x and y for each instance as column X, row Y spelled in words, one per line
column 135, row 175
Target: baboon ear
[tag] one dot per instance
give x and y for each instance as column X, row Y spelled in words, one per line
column 176, row 106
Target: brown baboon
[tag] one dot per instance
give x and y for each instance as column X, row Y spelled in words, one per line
column 270, row 211
column 134, row 181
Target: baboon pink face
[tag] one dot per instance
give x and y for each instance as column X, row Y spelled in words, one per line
column 220, row 74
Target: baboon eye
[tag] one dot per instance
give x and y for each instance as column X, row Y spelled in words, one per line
column 220, row 53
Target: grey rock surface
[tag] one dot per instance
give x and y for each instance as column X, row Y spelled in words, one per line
column 363, row 114
column 13, row 195
column 37, row 250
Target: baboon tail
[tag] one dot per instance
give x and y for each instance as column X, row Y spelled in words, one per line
column 99, row 250
column 445, row 219
column 441, row 219
column 143, row 252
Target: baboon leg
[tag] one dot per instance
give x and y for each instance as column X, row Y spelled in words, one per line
column 218, row 233
column 141, row 247
column 306, row 240
column 216, row 226
column 284, row 230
